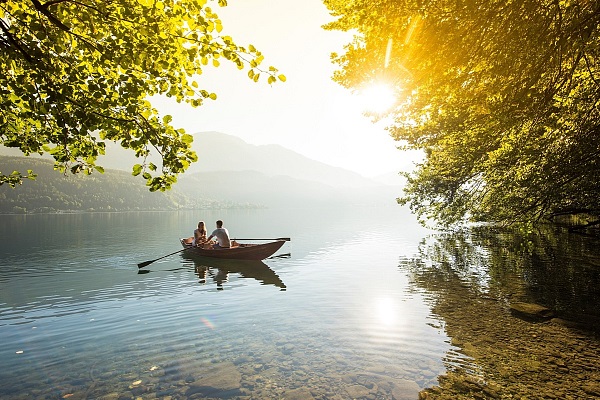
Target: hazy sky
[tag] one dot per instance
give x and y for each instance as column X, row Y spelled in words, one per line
column 309, row 113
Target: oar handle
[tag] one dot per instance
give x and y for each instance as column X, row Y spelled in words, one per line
column 284, row 239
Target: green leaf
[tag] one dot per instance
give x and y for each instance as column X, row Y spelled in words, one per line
column 137, row 169
column 188, row 139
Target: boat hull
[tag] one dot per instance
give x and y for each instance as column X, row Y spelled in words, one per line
column 240, row 252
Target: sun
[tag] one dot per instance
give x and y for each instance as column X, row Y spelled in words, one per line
column 377, row 98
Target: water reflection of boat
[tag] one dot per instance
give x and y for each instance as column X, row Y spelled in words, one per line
column 239, row 252
column 220, row 269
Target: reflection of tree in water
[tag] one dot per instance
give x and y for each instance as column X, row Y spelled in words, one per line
column 552, row 267
column 471, row 277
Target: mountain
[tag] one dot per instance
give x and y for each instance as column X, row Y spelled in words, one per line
column 229, row 172
column 112, row 191
column 220, row 152
column 273, row 176
column 254, row 188
column 52, row 191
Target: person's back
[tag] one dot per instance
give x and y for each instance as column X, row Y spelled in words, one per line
column 222, row 236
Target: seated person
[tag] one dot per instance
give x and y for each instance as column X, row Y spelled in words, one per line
column 199, row 235
column 222, row 236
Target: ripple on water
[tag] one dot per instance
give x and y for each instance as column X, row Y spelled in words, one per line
column 345, row 326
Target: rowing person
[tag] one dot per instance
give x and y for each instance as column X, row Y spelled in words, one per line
column 222, row 236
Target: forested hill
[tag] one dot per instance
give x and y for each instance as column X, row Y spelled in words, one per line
column 117, row 190
column 112, row 191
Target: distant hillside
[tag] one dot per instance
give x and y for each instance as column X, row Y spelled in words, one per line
column 279, row 191
column 229, row 173
column 256, row 188
column 111, row 191
column 221, row 152
column 274, row 176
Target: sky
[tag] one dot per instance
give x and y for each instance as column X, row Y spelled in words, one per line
column 309, row 113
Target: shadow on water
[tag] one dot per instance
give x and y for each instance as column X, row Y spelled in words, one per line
column 522, row 306
column 219, row 271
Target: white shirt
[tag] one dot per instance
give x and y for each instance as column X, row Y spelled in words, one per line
column 222, row 235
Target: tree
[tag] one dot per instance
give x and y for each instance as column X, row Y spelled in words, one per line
column 502, row 97
column 77, row 73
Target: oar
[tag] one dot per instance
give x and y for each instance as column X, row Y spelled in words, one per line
column 146, row 263
column 286, row 255
column 285, row 239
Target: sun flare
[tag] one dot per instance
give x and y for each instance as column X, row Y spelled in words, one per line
column 386, row 311
column 378, row 98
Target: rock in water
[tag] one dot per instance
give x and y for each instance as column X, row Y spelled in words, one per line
column 531, row 311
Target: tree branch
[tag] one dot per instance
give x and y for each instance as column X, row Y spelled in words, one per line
column 11, row 39
column 43, row 8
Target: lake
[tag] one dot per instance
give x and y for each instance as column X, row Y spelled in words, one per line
column 361, row 303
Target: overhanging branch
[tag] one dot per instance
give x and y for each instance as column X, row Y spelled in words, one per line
column 14, row 42
column 43, row 8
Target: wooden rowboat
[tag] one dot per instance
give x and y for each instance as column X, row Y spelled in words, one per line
column 246, row 251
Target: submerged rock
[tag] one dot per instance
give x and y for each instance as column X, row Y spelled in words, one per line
column 357, row 391
column 223, row 379
column 405, row 389
column 531, row 311
column 298, row 394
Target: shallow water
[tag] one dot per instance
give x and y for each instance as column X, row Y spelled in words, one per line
column 345, row 315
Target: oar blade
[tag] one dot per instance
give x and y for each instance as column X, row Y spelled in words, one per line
column 145, row 263
column 285, row 255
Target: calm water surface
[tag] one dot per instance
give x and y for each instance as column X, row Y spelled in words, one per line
column 345, row 315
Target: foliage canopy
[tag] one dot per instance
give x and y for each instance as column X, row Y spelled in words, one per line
column 501, row 96
column 76, row 73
